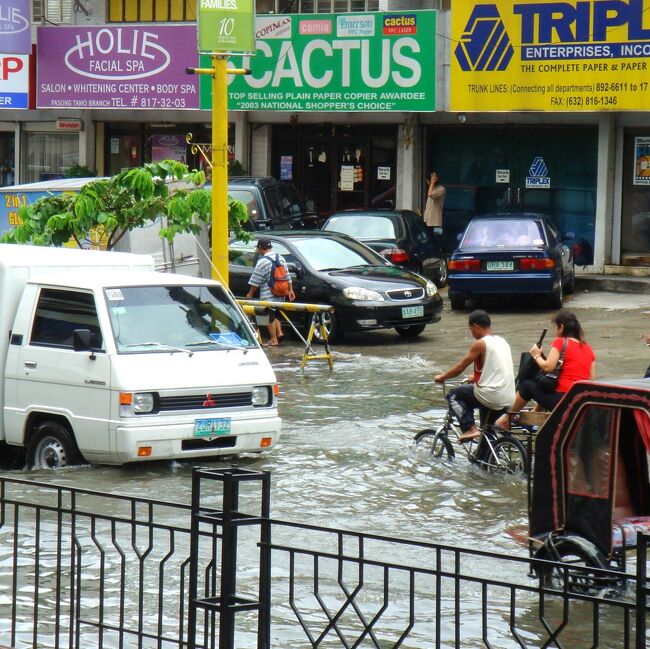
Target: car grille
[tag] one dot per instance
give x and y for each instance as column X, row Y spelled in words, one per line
column 197, row 401
column 406, row 294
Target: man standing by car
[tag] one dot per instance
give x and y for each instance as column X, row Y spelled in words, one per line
column 493, row 382
column 262, row 279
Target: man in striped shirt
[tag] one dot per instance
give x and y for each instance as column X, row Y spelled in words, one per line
column 261, row 278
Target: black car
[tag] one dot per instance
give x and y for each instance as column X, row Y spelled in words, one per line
column 367, row 291
column 272, row 203
column 521, row 254
column 399, row 235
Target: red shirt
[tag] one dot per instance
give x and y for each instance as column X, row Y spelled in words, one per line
column 578, row 359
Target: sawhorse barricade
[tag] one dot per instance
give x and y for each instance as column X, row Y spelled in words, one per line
column 258, row 308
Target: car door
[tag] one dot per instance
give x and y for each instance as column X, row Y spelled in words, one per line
column 559, row 249
column 241, row 261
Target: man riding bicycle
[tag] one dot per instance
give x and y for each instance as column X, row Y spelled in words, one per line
column 492, row 385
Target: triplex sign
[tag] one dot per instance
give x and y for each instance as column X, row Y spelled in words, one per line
column 14, row 81
column 574, row 55
column 338, row 62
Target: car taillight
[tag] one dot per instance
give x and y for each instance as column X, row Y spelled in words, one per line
column 464, row 265
column 396, row 255
column 536, row 263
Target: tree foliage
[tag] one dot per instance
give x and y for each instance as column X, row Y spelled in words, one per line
column 107, row 208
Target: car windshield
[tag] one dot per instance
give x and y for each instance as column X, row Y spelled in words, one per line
column 324, row 254
column 362, row 227
column 483, row 233
column 178, row 318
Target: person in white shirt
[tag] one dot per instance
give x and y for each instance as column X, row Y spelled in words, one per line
column 493, row 382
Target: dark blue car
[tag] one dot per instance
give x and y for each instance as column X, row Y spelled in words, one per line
column 511, row 254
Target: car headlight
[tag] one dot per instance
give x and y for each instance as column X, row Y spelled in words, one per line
column 431, row 288
column 358, row 293
column 136, row 403
column 261, row 396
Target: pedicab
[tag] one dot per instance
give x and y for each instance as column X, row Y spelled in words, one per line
column 589, row 495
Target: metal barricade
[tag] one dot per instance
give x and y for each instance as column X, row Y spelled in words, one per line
column 257, row 307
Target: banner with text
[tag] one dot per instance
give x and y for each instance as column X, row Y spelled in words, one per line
column 111, row 66
column 226, row 26
column 575, row 55
column 15, row 27
column 337, row 62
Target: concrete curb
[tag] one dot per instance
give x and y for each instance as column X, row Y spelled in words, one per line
column 613, row 283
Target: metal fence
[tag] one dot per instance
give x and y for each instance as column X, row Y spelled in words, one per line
column 86, row 569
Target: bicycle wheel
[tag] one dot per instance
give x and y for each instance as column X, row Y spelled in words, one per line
column 508, row 456
column 435, row 442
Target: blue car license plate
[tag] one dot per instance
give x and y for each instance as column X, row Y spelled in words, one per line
column 412, row 311
column 500, row 265
column 211, row 426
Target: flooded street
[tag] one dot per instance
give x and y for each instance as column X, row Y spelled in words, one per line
column 346, row 458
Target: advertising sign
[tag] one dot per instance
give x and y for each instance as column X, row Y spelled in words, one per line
column 117, row 66
column 14, row 81
column 575, row 55
column 226, row 26
column 338, row 63
column 168, row 147
column 15, row 27
column 641, row 161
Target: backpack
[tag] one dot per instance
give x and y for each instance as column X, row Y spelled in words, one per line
column 279, row 279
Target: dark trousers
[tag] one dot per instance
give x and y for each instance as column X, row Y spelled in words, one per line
column 462, row 403
column 529, row 389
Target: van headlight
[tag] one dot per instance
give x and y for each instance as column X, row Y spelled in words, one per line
column 261, row 396
column 137, row 403
column 358, row 293
column 431, row 288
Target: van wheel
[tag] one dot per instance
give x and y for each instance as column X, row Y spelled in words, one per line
column 52, row 447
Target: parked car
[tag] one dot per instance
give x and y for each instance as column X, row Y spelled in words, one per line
column 272, row 203
column 367, row 291
column 398, row 235
column 511, row 254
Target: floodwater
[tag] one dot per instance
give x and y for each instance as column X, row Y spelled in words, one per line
column 346, row 457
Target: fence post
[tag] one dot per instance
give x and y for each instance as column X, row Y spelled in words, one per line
column 641, row 589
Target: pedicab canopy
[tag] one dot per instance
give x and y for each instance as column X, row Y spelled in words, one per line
column 591, row 462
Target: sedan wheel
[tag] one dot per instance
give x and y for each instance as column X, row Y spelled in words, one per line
column 557, row 297
column 411, row 331
column 332, row 327
column 442, row 274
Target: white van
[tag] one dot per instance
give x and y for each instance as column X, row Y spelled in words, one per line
column 103, row 359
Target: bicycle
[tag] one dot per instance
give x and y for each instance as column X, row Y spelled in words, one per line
column 495, row 450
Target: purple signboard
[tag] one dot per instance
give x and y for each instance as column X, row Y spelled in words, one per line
column 15, row 27
column 117, row 66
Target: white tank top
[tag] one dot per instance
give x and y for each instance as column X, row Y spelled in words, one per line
column 496, row 386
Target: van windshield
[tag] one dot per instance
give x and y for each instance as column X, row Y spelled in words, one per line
column 175, row 318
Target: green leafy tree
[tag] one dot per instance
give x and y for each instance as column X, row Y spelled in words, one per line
column 104, row 210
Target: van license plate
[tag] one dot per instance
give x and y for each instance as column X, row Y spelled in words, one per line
column 500, row 265
column 212, row 426
column 412, row 311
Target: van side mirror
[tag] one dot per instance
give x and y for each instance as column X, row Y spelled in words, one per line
column 296, row 269
column 81, row 342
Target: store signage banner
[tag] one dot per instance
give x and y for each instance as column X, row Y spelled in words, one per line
column 116, row 67
column 370, row 62
column 574, row 55
column 15, row 27
column 641, row 161
column 14, row 81
column 226, row 26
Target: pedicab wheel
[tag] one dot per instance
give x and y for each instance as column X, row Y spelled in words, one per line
column 435, row 442
column 573, row 556
column 508, row 457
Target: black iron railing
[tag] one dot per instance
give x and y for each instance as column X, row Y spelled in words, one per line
column 84, row 569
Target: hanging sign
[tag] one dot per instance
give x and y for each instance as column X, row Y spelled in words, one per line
column 226, row 26
column 15, row 27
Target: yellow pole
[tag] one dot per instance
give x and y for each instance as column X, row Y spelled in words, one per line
column 219, row 170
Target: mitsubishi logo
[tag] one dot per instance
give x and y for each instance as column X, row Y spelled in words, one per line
column 407, row 293
column 209, row 401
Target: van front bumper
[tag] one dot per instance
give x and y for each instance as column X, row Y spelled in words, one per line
column 177, row 441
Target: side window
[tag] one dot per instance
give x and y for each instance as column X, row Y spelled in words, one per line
column 246, row 196
column 419, row 230
column 552, row 235
column 242, row 254
column 59, row 313
column 589, row 456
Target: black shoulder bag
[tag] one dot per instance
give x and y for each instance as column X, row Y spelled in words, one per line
column 548, row 381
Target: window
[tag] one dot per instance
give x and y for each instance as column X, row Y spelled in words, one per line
column 589, row 456
column 55, row 11
column 46, row 156
column 59, row 313
column 151, row 10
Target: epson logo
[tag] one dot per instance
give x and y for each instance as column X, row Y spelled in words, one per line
column 125, row 53
column 12, row 21
column 584, row 21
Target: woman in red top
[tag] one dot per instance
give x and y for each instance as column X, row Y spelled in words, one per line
column 578, row 366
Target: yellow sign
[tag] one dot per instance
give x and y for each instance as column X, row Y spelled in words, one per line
column 573, row 55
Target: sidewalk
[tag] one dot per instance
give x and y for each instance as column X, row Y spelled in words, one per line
column 614, row 283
